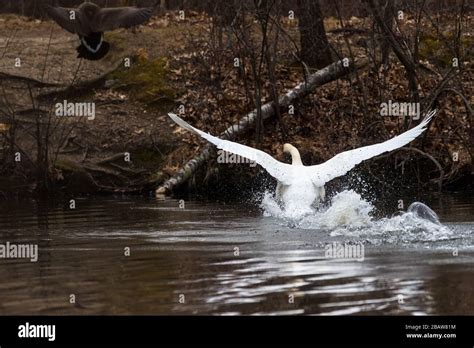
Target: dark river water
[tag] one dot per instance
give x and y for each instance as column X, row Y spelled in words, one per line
column 214, row 258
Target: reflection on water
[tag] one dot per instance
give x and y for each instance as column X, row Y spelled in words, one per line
column 225, row 259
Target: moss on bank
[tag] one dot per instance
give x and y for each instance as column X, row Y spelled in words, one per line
column 432, row 48
column 147, row 81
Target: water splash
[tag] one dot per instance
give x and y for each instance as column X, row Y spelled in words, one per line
column 348, row 214
column 419, row 222
column 424, row 212
column 346, row 208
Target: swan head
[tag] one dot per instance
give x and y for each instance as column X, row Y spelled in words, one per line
column 295, row 154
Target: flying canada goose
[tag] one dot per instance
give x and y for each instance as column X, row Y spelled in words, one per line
column 89, row 21
column 300, row 186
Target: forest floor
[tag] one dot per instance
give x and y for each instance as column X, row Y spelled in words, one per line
column 178, row 62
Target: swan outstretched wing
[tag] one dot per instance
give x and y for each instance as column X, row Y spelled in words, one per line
column 281, row 171
column 345, row 161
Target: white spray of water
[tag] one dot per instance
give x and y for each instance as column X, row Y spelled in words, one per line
column 349, row 214
column 347, row 208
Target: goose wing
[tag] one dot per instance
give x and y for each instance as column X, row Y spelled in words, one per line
column 345, row 161
column 121, row 17
column 283, row 172
column 67, row 18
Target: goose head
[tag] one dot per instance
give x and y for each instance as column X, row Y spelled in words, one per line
column 89, row 9
column 295, row 155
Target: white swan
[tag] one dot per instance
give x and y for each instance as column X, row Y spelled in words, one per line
column 300, row 186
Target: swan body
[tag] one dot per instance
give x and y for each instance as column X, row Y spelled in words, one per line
column 302, row 191
column 300, row 186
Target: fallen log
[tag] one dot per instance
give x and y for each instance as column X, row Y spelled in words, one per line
column 330, row 73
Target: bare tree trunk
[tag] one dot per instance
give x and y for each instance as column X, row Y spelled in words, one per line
column 388, row 16
column 315, row 50
column 400, row 51
column 163, row 6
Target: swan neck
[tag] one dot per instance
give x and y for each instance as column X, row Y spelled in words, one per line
column 295, row 157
